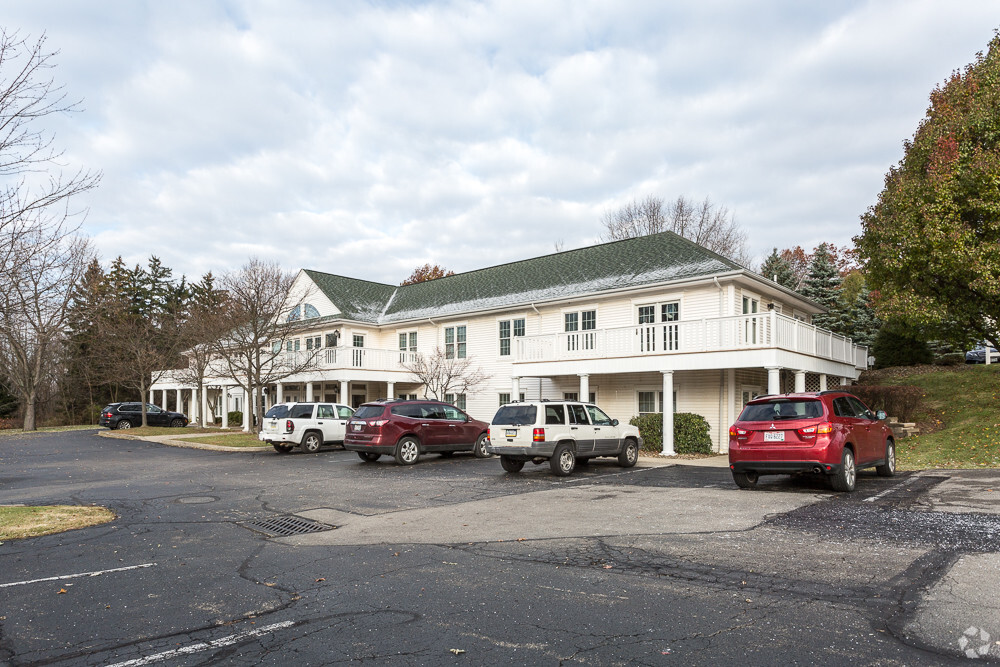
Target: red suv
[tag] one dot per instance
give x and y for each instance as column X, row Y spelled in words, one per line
column 829, row 432
column 407, row 429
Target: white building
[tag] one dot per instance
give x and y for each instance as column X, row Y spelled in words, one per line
column 624, row 324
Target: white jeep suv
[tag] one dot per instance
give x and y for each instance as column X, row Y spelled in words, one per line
column 308, row 425
column 560, row 432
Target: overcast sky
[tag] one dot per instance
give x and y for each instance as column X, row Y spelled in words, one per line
column 367, row 138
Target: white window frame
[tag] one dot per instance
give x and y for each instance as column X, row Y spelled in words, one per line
column 444, row 338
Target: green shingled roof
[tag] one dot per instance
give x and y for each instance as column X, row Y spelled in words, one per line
column 634, row 262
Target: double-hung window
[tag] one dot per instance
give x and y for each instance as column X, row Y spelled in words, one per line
column 454, row 342
column 509, row 329
column 665, row 338
column 458, row 400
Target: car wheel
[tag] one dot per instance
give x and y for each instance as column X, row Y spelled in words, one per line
column 630, row 455
column 311, row 442
column 407, row 451
column 745, row 480
column 177, row 423
column 123, row 424
column 846, row 477
column 280, row 448
column 368, row 457
column 479, row 451
column 563, row 460
column 888, row 469
column 511, row 464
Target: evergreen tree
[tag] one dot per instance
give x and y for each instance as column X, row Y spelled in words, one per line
column 777, row 268
column 822, row 285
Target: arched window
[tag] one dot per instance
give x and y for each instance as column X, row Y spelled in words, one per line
column 295, row 314
column 310, row 311
column 307, row 309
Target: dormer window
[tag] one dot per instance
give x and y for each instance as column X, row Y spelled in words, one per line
column 297, row 312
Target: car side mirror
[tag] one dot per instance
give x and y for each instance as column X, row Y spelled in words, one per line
column 880, row 415
column 614, row 422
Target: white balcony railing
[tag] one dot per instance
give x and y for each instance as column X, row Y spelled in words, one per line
column 715, row 334
column 367, row 358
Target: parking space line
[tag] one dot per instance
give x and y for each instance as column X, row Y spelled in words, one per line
column 204, row 646
column 872, row 499
column 78, row 574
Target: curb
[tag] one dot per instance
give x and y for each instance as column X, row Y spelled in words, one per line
column 180, row 441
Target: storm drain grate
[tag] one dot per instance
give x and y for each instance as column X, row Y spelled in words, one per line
column 283, row 526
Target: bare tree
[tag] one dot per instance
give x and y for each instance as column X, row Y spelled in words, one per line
column 33, row 307
column 40, row 256
column 442, row 375
column 707, row 224
column 141, row 348
column 251, row 351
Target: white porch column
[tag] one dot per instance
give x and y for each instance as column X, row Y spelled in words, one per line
column 584, row 387
column 151, row 396
column 344, row 396
column 163, row 399
column 800, row 381
column 309, row 392
column 515, row 389
column 846, row 381
column 822, row 381
column 730, row 407
column 390, row 389
column 224, row 406
column 668, row 413
column 279, row 388
column 177, row 395
column 774, row 380
column 194, row 406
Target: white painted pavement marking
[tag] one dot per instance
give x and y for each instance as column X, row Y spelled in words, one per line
column 78, row 574
column 204, row 646
column 872, row 499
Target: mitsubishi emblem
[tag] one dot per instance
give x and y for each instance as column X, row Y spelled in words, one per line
column 772, row 426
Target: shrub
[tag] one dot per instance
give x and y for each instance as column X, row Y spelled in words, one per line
column 897, row 346
column 950, row 359
column 690, row 433
column 235, row 417
column 900, row 401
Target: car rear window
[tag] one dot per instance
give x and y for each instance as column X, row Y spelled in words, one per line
column 516, row 415
column 782, row 409
column 277, row 412
column 369, row 411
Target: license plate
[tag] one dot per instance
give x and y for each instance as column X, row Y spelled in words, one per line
column 510, row 433
column 357, row 427
column 774, row 436
column 274, row 424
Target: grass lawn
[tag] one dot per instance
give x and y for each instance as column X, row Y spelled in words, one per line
column 963, row 405
column 10, row 432
column 239, row 439
column 19, row 522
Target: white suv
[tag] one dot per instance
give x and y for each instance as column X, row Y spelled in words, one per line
column 560, row 432
column 309, row 425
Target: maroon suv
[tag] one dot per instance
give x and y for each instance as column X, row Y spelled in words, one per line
column 829, row 432
column 407, row 429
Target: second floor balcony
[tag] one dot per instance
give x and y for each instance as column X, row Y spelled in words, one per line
column 715, row 334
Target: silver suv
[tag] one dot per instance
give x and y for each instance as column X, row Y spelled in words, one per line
column 309, row 425
column 560, row 432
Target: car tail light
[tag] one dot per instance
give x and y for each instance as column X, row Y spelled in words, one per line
column 538, row 435
column 378, row 423
column 289, row 426
column 737, row 432
column 812, row 431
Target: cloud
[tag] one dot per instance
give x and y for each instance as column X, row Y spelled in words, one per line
column 368, row 138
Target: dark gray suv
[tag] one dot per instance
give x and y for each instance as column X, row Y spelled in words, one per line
column 127, row 415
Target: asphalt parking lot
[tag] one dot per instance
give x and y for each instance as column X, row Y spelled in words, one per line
column 256, row 558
